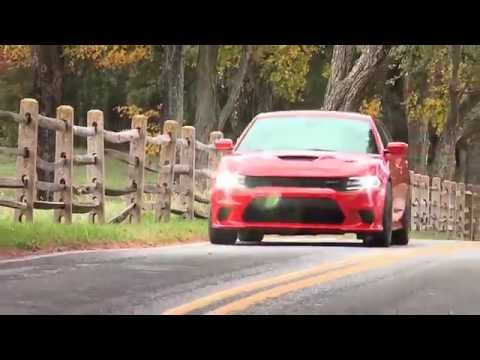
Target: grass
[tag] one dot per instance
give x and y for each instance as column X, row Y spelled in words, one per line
column 44, row 234
column 49, row 236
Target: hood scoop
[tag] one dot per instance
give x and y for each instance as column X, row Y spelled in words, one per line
column 298, row 157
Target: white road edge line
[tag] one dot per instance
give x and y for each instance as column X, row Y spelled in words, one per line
column 76, row 252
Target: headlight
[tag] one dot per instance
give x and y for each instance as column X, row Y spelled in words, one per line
column 362, row 183
column 228, row 180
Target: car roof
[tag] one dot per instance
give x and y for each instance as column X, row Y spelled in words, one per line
column 336, row 114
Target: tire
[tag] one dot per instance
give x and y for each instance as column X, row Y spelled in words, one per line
column 401, row 236
column 384, row 237
column 250, row 236
column 221, row 236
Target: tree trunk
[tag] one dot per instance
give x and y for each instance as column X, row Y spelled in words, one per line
column 462, row 159
column 206, row 94
column 345, row 89
column 48, row 73
column 341, row 64
column 473, row 165
column 444, row 163
column 419, row 144
column 174, row 67
column 392, row 109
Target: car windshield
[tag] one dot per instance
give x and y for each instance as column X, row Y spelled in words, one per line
column 309, row 133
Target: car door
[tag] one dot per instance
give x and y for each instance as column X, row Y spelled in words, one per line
column 400, row 177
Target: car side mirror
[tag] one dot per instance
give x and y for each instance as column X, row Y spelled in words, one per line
column 397, row 148
column 224, row 145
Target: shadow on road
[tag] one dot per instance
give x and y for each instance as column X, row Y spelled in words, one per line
column 290, row 243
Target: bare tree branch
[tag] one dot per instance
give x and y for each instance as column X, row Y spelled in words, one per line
column 237, row 83
column 346, row 93
column 342, row 62
column 453, row 118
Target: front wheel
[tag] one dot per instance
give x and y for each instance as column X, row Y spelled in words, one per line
column 221, row 236
column 401, row 236
column 384, row 237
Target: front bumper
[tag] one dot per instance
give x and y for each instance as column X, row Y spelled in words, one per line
column 231, row 210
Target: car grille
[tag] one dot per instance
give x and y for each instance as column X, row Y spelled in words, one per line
column 294, row 210
column 304, row 182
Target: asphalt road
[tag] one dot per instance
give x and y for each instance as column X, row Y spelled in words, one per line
column 310, row 276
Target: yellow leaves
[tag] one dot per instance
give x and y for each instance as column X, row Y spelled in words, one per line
column 16, row 55
column 102, row 56
column 431, row 106
column 372, row 107
column 129, row 111
column 287, row 67
column 107, row 56
column 432, row 109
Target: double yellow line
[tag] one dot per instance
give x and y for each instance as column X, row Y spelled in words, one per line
column 277, row 286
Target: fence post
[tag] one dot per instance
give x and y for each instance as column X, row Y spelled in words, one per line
column 27, row 164
column 96, row 172
column 213, row 156
column 136, row 173
column 63, row 175
column 435, row 203
column 165, row 178
column 460, row 219
column 187, row 182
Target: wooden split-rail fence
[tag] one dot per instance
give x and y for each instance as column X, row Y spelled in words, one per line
column 174, row 140
column 437, row 206
column 444, row 207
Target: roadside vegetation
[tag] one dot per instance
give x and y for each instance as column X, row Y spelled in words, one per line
column 426, row 95
column 44, row 234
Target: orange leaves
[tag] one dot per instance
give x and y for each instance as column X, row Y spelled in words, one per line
column 372, row 107
column 101, row 56
column 107, row 56
column 129, row 111
column 16, row 55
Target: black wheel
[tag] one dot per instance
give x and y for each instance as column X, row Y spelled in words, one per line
column 250, row 236
column 401, row 236
column 221, row 236
column 383, row 238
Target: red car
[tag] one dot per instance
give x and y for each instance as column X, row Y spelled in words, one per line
column 311, row 172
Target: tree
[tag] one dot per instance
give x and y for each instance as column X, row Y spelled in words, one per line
column 209, row 115
column 441, row 92
column 444, row 161
column 277, row 77
column 48, row 76
column 350, row 75
column 174, row 69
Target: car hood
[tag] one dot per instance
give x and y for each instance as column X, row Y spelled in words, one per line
column 301, row 164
